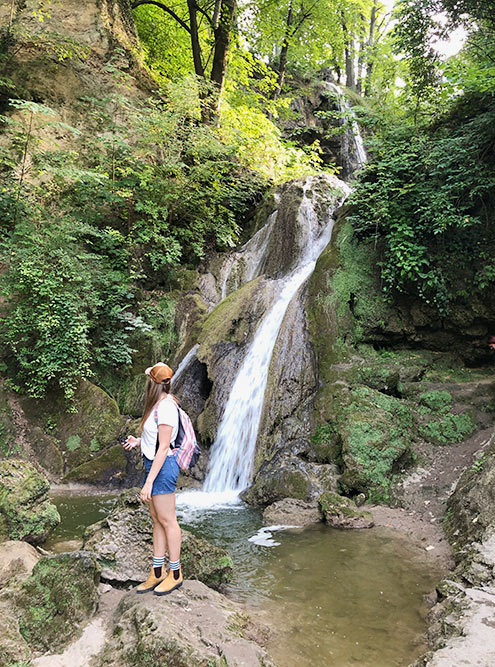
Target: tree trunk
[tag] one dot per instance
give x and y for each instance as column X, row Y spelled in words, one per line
column 350, row 81
column 370, row 50
column 282, row 68
column 195, row 45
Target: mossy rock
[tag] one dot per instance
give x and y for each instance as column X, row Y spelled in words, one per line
column 8, row 446
column 340, row 512
column 376, row 432
column 232, row 319
column 94, row 423
column 25, row 511
column 470, row 515
column 46, row 450
column 60, row 594
column 108, row 468
column 131, row 397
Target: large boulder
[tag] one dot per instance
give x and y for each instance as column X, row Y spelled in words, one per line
column 60, row 594
column 194, row 627
column 287, row 476
column 470, row 515
column 123, row 544
column 17, row 559
column 93, row 425
column 25, row 510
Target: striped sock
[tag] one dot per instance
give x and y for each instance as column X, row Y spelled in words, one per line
column 175, row 567
column 158, row 562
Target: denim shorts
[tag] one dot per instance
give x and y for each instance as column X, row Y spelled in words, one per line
column 166, row 480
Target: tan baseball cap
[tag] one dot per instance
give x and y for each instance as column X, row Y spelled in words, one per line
column 159, row 372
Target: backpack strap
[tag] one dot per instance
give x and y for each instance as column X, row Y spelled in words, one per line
column 179, row 427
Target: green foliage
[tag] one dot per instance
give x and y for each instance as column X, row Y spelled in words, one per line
column 426, row 198
column 448, row 430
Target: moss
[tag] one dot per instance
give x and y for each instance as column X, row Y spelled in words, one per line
column 327, row 447
column 448, row 430
column 333, row 505
column 109, row 467
column 58, row 596
column 438, row 401
column 228, row 321
column 25, row 509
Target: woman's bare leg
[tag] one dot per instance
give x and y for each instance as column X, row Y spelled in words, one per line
column 159, row 536
column 164, row 507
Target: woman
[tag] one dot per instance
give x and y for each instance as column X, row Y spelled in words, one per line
column 160, row 420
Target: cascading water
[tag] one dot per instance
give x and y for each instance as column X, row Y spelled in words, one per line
column 356, row 157
column 232, row 454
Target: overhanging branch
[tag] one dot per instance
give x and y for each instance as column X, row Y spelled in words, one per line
column 169, row 11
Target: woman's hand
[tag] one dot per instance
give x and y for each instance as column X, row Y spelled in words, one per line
column 146, row 492
column 130, row 442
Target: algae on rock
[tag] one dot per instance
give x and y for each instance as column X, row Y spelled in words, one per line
column 60, row 594
column 25, row 510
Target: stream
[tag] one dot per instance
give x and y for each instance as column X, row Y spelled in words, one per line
column 330, row 597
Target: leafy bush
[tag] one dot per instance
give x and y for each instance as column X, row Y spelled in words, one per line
column 448, row 430
column 438, row 401
column 426, row 198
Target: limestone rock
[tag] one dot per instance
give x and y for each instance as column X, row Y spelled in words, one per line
column 293, row 512
column 60, row 594
column 17, row 559
column 290, row 477
column 25, row 511
column 470, row 515
column 340, row 512
column 122, row 543
column 193, row 627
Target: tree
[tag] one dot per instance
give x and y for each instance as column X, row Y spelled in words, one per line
column 219, row 18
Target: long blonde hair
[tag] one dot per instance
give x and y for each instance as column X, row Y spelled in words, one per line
column 154, row 392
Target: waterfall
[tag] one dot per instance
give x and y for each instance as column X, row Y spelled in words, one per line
column 232, row 454
column 185, row 363
column 247, row 263
column 356, row 157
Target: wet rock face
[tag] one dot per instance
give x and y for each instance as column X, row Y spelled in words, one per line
column 123, row 545
column 25, row 511
column 193, row 627
column 340, row 512
column 60, row 594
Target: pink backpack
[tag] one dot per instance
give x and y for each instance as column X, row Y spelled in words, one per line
column 185, row 448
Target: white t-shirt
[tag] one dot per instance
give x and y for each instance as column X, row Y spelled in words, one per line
column 167, row 414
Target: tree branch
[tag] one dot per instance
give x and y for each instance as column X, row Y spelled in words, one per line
column 138, row 3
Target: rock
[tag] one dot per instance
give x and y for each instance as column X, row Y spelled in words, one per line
column 114, row 467
column 60, row 594
column 122, row 543
column 25, row 511
column 13, row 648
column 290, row 477
column 83, row 434
column 375, row 432
column 360, row 499
column 17, row 559
column 470, row 515
column 340, row 512
column 293, row 512
column 193, row 627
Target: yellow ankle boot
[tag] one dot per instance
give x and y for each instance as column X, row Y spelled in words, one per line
column 151, row 582
column 169, row 584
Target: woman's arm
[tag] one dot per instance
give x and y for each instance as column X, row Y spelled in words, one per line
column 164, row 436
